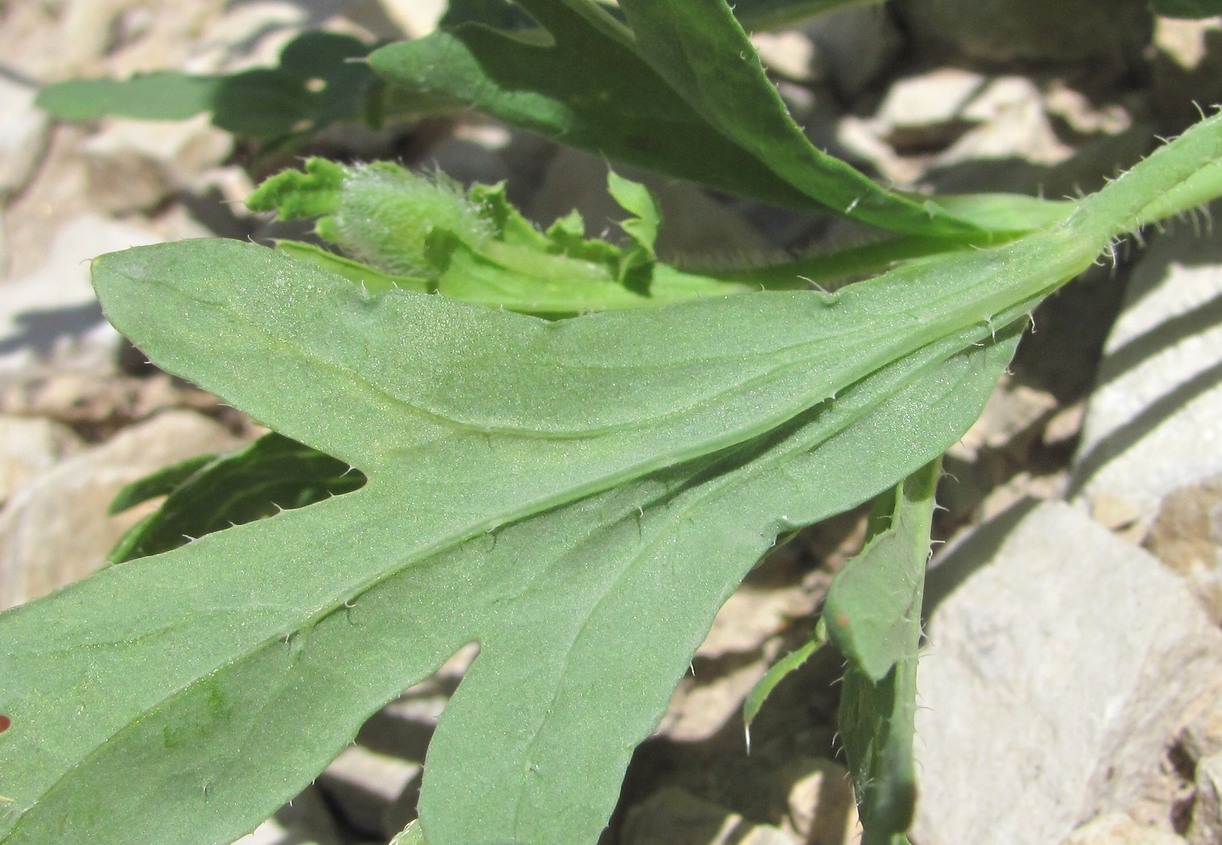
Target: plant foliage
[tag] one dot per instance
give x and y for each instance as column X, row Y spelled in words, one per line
column 576, row 492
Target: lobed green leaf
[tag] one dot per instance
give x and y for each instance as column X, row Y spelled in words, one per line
column 577, row 496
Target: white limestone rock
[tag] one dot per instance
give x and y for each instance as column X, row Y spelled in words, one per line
column 1061, row 661
column 55, row 530
column 1154, row 420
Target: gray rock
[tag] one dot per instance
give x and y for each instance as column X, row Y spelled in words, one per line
column 1154, row 420
column 1201, row 736
column 1061, row 662
column 55, row 529
column 732, row 658
column 134, row 166
column 1187, row 67
column 788, row 54
column 415, row 17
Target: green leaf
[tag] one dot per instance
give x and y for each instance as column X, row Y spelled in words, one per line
column 478, row 248
column 165, row 95
column 159, row 483
column 315, row 617
column 315, row 84
column 873, row 607
column 692, row 44
column 272, row 474
column 298, row 195
column 373, row 281
column 776, row 673
column 661, row 95
column 239, row 635
column 410, row 835
column 641, row 227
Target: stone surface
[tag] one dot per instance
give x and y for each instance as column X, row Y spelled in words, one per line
column 55, row 529
column 23, row 135
column 856, row 45
column 363, row 784
column 306, row 820
column 1201, row 735
column 675, row 817
column 930, row 100
column 822, row 808
column 1060, row 662
column 733, row 656
column 1154, row 421
column 1119, row 829
column 1110, row 36
column 1187, row 67
column 53, row 313
column 136, row 165
column 1206, row 826
column 1187, row 536
column 788, row 54
column 415, row 17
column 30, row 446
column 959, row 130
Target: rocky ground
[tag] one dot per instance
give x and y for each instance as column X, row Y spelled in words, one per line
column 1072, row 686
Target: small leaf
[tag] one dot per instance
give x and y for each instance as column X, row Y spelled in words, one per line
column 873, row 615
column 159, row 483
column 776, row 673
column 642, row 227
column 873, row 606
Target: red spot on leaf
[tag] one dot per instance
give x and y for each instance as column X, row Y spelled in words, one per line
column 5, row 723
